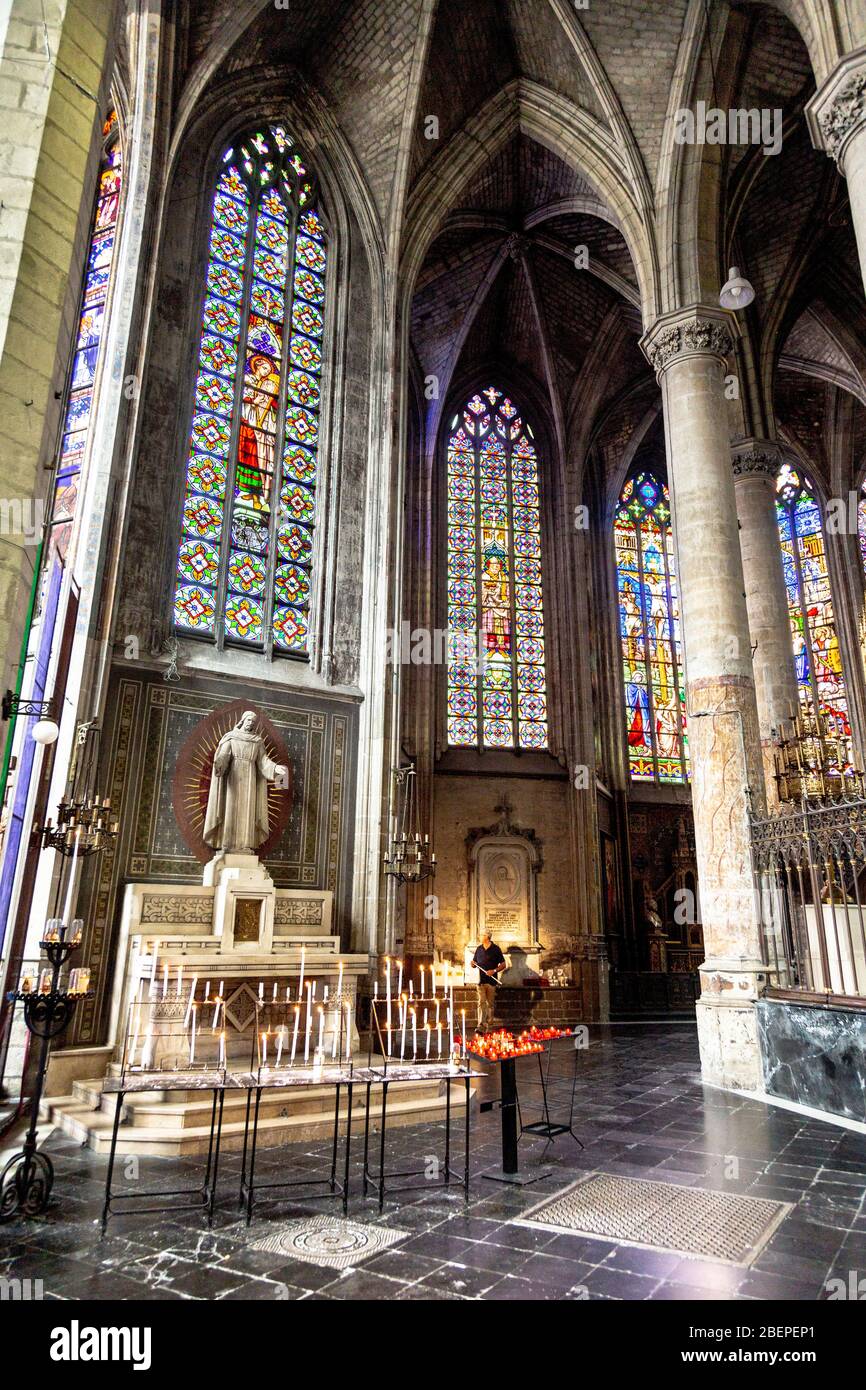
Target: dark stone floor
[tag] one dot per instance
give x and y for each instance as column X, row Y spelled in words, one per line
column 641, row 1110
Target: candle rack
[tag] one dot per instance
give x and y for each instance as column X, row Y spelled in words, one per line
column 28, row 1177
column 416, row 1031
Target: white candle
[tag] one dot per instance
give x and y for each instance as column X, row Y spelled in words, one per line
column 147, row 1050
column 192, row 1038
column 264, row 1049
column 427, row 1026
column 336, row 1027
column 439, row 1038
column 301, row 980
column 403, row 1035
column 463, row 1032
column 411, row 989
column 348, row 1030
column 422, row 982
column 207, row 991
column 281, row 1033
column 414, row 1036
column 321, row 1047
column 450, row 1030
column 388, row 990
column 216, row 1012
column 295, row 1034
column 67, row 911
column 274, row 996
column 400, row 977
column 222, row 1048
column 307, row 1030
column 135, row 1009
column 340, row 979
column 261, row 992
column 191, row 998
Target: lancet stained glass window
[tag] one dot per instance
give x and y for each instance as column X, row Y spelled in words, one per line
column 91, row 325
column 497, row 695
column 244, row 565
column 817, row 658
column 649, row 625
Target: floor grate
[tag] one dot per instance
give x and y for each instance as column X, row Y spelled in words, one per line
column 723, row 1226
column 329, row 1241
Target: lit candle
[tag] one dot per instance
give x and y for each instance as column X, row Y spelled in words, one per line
column 427, row 1026
column 403, row 1035
column 388, row 986
column 321, row 1047
column 414, row 1036
column 309, row 1021
column 439, row 1038
column 348, row 1030
column 451, row 1028
column 295, row 1033
column 192, row 1037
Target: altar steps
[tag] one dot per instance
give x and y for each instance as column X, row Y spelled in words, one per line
column 152, row 1126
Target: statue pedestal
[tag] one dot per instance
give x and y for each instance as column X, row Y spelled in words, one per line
column 245, row 899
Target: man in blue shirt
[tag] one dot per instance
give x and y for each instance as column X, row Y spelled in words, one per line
column 490, row 962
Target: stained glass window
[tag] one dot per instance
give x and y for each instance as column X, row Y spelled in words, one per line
column 817, row 658
column 91, row 324
column 246, row 550
column 497, row 694
column 649, row 625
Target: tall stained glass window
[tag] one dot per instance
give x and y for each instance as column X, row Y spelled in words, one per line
column 817, row 657
column 91, row 325
column 246, row 550
column 649, row 625
column 497, row 696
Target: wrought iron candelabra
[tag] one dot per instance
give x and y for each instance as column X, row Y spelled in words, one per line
column 84, row 821
column 811, row 764
column 27, row 1179
column 409, row 858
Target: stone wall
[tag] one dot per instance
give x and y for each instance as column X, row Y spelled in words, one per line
column 464, row 803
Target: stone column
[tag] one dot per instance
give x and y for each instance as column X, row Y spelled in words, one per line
column 688, row 351
column 756, row 466
column 836, row 116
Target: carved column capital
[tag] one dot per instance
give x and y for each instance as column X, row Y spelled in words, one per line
column 699, row 331
column 837, row 111
column 756, row 458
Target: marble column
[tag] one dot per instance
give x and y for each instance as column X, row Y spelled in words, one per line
column 688, row 350
column 836, row 116
column 756, row 464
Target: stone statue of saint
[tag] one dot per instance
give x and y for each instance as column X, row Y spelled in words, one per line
column 237, row 806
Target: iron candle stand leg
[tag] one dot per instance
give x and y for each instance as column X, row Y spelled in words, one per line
column 466, row 1147
column 447, row 1130
column 243, row 1191
column 216, row 1149
column 349, row 1090
column 382, row 1147
column 250, row 1187
column 333, row 1182
column 107, row 1206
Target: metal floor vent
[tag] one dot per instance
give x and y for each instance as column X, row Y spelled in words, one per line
column 328, row 1241
column 722, row 1226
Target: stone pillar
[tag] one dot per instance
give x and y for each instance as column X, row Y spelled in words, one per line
column 688, row 351
column 836, row 116
column 756, row 466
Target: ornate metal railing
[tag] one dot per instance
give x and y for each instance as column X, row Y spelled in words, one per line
column 810, row 877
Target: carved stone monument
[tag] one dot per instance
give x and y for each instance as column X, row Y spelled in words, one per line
column 504, row 862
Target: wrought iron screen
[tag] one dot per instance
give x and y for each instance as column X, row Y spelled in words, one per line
column 810, row 876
